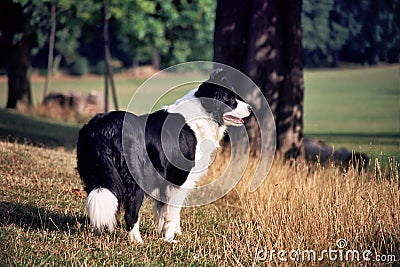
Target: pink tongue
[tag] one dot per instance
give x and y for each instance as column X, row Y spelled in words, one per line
column 233, row 119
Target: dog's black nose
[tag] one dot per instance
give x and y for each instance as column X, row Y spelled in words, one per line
column 249, row 108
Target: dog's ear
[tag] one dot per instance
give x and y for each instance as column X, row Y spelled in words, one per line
column 209, row 97
column 217, row 75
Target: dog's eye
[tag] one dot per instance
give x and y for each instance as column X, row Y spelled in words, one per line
column 231, row 103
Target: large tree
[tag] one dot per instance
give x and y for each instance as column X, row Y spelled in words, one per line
column 14, row 52
column 263, row 39
column 24, row 27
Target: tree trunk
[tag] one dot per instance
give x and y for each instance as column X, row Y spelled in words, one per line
column 51, row 48
column 105, row 89
column 19, row 88
column 107, row 58
column 14, row 54
column 155, row 59
column 56, row 65
column 262, row 38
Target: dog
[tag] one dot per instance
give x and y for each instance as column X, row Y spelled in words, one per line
column 110, row 162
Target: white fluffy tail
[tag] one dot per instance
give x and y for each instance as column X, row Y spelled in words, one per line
column 102, row 207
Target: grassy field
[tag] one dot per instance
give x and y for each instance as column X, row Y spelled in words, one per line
column 357, row 108
column 43, row 221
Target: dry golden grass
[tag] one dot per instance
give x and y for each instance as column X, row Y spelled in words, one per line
column 304, row 207
column 55, row 112
column 43, row 219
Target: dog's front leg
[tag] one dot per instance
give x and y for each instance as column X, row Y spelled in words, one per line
column 159, row 211
column 171, row 226
column 168, row 215
column 168, row 220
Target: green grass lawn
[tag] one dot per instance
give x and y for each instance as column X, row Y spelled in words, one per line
column 355, row 108
column 355, row 101
column 126, row 88
column 43, row 219
column 38, row 131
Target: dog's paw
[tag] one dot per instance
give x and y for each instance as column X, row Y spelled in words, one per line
column 160, row 225
column 178, row 230
column 135, row 237
column 169, row 230
column 169, row 240
column 137, row 240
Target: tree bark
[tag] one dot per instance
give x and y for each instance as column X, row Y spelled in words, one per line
column 19, row 88
column 51, row 48
column 262, row 38
column 14, row 53
column 155, row 59
column 109, row 74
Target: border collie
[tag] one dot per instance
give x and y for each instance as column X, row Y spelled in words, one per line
column 110, row 162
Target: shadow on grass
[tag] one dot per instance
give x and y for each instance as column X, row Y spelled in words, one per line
column 25, row 129
column 28, row 216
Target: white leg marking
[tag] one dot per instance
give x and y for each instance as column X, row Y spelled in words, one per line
column 178, row 230
column 134, row 234
column 159, row 215
column 171, row 223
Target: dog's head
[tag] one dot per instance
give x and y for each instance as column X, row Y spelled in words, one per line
column 219, row 99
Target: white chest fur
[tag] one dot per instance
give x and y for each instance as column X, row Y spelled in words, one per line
column 208, row 135
column 207, row 131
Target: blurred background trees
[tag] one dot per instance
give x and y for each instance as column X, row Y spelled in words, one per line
column 162, row 33
column 142, row 32
column 360, row 31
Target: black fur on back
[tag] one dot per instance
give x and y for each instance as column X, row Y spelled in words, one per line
column 101, row 160
column 178, row 146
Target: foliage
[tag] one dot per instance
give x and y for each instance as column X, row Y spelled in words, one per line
column 141, row 31
column 71, row 15
column 80, row 67
column 379, row 34
column 99, row 68
column 176, row 31
column 35, row 20
column 316, row 32
column 364, row 31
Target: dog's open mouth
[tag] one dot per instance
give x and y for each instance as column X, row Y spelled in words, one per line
column 233, row 119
